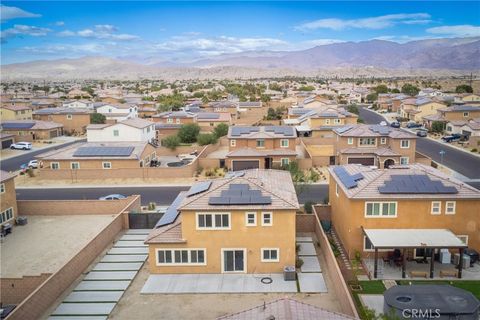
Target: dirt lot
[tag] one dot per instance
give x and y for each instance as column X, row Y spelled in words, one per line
column 47, row 242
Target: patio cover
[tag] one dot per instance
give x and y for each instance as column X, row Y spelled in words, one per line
column 413, row 238
column 303, row 128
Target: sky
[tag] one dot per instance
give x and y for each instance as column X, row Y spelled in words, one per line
column 183, row 31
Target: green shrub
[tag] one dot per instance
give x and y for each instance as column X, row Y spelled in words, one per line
column 188, row 133
column 206, row 138
column 171, row 142
column 221, row 130
column 298, row 263
column 309, row 206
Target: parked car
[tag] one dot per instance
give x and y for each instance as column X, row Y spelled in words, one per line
column 112, row 197
column 33, row 164
column 421, row 133
column 21, row 146
column 185, row 156
column 395, row 124
column 412, row 125
column 452, row 138
column 383, row 123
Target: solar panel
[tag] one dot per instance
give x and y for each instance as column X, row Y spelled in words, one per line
column 383, row 130
column 343, row 129
column 347, row 180
column 103, row 151
column 357, row 177
column 172, row 211
column 208, row 115
column 17, row 125
column 234, row 174
column 240, row 194
column 218, row 200
column 417, row 184
column 199, row 188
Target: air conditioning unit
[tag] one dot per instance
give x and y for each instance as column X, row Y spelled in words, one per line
column 466, row 260
column 289, row 273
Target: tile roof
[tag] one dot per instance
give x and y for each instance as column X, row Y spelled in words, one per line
column 283, row 195
column 4, row 175
column 249, row 132
column 175, row 114
column 170, row 233
column 16, row 108
column 62, row 111
column 367, row 188
column 460, row 108
column 137, row 123
column 250, row 152
column 283, row 309
column 37, row 124
column 376, row 151
column 366, row 130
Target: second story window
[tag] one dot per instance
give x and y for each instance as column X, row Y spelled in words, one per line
column 115, row 133
column 366, row 141
column 336, row 121
column 106, row 165
column 380, row 209
column 169, row 120
column 404, row 144
column 436, row 207
column 350, row 140
column 2, row 187
column 450, row 207
column 284, row 143
column 260, row 143
column 250, row 219
column 383, row 140
column 214, row 221
column 267, row 219
column 75, row 165
column 55, row 165
column 466, row 114
column 69, row 116
column 233, row 143
column 177, row 120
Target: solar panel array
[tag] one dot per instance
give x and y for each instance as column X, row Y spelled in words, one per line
column 199, row 188
column 286, row 131
column 415, row 183
column 209, row 115
column 240, row 193
column 17, row 125
column 348, row 180
column 383, row 130
column 172, row 212
column 238, row 131
column 343, row 129
column 234, row 174
column 103, row 151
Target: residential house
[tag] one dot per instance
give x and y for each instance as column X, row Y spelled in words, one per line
column 415, row 109
column 74, row 121
column 209, row 120
column 374, row 145
column 16, row 102
column 470, row 98
column 415, row 209
column 469, row 128
column 175, row 117
column 30, row 130
column 455, row 113
column 15, row 113
column 357, row 95
column 146, row 111
column 8, row 198
column 130, row 130
column 224, row 106
column 77, row 93
column 6, row 139
column 315, row 101
column 263, row 147
column 99, row 155
column 430, row 92
column 391, row 102
column 248, row 105
column 78, row 104
column 243, row 223
column 118, row 112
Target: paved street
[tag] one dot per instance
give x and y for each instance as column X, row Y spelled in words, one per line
column 14, row 163
column 459, row 161
column 161, row 195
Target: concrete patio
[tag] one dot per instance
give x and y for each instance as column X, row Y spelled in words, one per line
column 387, row 271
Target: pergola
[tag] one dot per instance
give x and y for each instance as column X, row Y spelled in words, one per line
column 414, row 239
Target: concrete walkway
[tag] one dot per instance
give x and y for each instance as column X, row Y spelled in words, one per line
column 310, row 277
column 96, row 296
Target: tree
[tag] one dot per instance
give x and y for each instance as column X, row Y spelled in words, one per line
column 353, row 109
column 381, row 88
column 306, row 88
column 221, row 130
column 97, row 118
column 438, row 126
column 188, row 132
column 372, row 97
column 271, row 114
column 265, row 98
column 410, row 89
column 395, row 90
column 206, row 138
column 171, row 142
column 463, row 88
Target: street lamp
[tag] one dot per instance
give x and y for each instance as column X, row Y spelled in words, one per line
column 442, row 153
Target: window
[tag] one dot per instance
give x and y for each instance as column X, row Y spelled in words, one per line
column 181, row 257
column 327, row 121
column 267, row 219
column 75, row 165
column 449, row 128
column 380, row 209
column 463, row 238
column 284, row 143
column 450, row 207
column 367, row 141
column 260, row 143
column 69, row 117
column 285, row 162
column 403, row 160
column 169, row 120
column 6, row 215
column 336, row 121
column 404, row 144
column 177, row 120
column 116, row 133
column 55, row 165
column 214, row 221
column 270, row 255
column 383, row 140
column 250, row 219
column 2, row 187
column 233, row 143
column 350, row 140
column 466, row 114
column 436, row 207
column 106, row 165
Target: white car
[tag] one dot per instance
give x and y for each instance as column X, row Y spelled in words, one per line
column 21, row 146
column 186, row 156
column 33, row 164
column 384, row 123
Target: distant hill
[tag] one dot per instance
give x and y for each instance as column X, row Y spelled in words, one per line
column 368, row 58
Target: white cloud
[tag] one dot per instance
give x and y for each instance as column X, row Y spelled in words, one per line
column 9, row 13
column 60, row 23
column 465, row 30
column 100, row 31
column 88, row 48
column 379, row 22
column 19, row 30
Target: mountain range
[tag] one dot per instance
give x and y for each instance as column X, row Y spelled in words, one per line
column 366, row 58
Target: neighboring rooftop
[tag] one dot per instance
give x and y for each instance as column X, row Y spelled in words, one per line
column 62, row 111
column 248, row 132
column 427, row 182
column 29, row 125
column 4, row 175
column 16, row 108
column 460, row 108
column 375, row 130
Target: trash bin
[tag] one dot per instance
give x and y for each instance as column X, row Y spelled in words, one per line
column 289, row 273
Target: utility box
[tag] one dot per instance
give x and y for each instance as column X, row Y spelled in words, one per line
column 21, row 221
column 289, row 273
